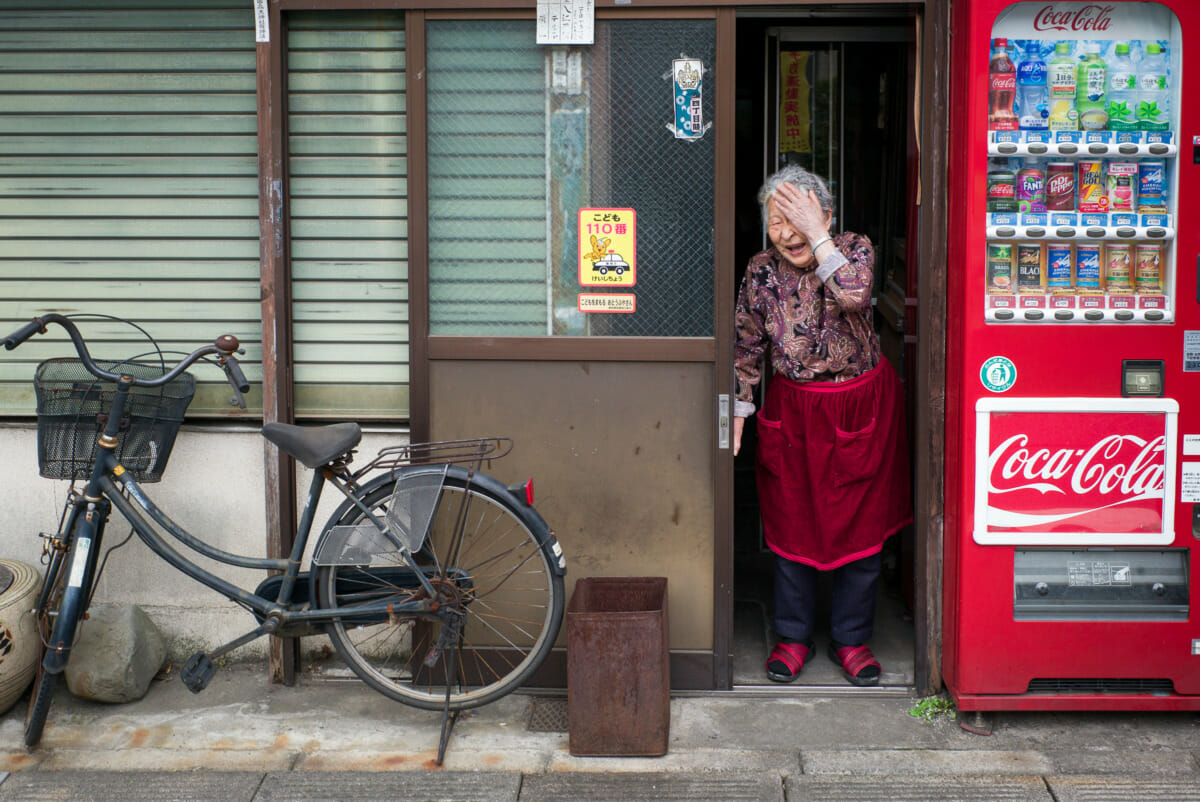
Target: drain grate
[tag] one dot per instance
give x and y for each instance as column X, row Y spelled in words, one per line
column 547, row 714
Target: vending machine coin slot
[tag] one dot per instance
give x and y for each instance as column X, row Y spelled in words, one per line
column 1142, row 377
column 1196, row 521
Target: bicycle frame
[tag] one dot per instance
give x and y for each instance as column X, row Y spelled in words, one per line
column 109, row 486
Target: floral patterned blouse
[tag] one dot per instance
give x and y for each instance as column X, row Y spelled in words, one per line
column 816, row 322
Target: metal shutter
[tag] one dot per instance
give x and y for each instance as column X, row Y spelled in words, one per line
column 348, row 199
column 128, row 180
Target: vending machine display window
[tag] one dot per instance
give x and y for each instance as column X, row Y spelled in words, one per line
column 1082, row 166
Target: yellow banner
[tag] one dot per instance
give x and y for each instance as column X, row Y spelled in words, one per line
column 795, row 127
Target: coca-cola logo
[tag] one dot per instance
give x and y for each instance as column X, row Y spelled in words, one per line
column 1121, row 463
column 1085, row 18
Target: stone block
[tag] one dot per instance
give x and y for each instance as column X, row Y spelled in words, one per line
column 118, row 652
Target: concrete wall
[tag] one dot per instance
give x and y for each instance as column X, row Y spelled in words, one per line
column 213, row 487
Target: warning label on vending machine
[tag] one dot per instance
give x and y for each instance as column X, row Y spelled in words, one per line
column 1191, row 351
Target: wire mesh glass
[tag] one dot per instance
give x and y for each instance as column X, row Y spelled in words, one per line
column 73, row 406
column 522, row 137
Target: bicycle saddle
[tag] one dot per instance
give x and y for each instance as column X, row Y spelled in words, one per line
column 314, row 446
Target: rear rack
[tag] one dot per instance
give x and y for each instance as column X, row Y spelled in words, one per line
column 473, row 451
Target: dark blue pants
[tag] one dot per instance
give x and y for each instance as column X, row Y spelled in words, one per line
column 852, row 607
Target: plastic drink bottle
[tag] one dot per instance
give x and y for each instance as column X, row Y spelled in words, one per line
column 1120, row 99
column 1060, row 85
column 1089, row 89
column 1002, row 89
column 1153, row 97
column 1031, row 91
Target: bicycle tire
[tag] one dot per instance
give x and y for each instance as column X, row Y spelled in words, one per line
column 60, row 607
column 49, row 598
column 514, row 598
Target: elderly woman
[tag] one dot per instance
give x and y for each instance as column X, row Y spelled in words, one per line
column 832, row 466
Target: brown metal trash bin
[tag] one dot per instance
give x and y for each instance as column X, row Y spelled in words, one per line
column 618, row 667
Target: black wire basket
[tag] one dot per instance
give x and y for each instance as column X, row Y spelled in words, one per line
column 72, row 408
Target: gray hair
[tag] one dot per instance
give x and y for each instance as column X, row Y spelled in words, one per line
column 798, row 177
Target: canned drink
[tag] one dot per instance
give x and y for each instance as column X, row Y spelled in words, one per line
column 1058, row 265
column 1147, row 268
column 1029, row 267
column 999, row 267
column 1118, row 267
column 1121, row 184
column 1092, row 197
column 1031, row 189
column 1060, row 186
column 1152, row 195
column 1001, row 191
column 1087, row 266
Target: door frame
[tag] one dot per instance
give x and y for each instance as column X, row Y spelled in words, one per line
column 931, row 124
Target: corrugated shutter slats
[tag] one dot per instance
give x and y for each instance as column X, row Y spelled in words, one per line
column 348, row 203
column 128, row 159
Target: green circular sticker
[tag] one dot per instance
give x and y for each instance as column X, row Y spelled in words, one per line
column 998, row 374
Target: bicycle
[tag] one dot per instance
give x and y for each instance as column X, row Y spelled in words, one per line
column 438, row 585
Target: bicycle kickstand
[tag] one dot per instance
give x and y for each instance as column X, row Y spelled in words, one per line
column 448, row 644
column 448, row 719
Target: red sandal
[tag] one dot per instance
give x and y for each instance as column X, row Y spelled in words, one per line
column 792, row 656
column 856, row 663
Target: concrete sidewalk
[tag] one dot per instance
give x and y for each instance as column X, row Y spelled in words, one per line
column 256, row 740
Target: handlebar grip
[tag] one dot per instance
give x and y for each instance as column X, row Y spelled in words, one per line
column 22, row 334
column 236, row 377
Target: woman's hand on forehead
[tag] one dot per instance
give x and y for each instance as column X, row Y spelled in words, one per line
column 802, row 210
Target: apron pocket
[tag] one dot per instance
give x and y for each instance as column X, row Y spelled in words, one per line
column 770, row 444
column 856, row 456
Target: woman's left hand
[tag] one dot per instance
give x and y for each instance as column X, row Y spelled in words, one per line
column 803, row 211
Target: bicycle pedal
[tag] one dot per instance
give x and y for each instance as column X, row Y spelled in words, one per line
column 197, row 672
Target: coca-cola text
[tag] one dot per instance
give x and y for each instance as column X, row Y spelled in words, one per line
column 1087, row 18
column 1104, row 468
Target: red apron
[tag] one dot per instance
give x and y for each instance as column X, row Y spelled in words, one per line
column 833, row 479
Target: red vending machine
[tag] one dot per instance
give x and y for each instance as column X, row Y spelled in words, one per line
column 1072, row 539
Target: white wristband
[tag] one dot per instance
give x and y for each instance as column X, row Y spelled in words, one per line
column 819, row 243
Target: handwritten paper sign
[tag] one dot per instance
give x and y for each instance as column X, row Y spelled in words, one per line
column 566, row 22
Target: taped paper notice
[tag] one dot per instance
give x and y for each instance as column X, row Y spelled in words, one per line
column 262, row 31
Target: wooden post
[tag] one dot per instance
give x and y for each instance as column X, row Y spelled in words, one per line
column 930, row 446
column 278, row 405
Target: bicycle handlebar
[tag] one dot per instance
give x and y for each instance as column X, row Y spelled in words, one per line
column 22, row 334
column 224, row 347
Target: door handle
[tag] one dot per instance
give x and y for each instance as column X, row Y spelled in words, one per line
column 723, row 421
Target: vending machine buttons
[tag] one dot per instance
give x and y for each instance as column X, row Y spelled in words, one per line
column 1095, row 232
column 1159, row 149
column 1034, row 314
column 1038, row 149
column 1156, row 232
column 1094, row 314
column 1124, row 314
column 1064, row 314
column 1064, row 233
column 1127, row 148
column 1126, row 231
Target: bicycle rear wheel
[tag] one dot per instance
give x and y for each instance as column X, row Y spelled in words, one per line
column 502, row 580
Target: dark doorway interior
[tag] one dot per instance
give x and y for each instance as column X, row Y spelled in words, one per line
column 856, row 80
